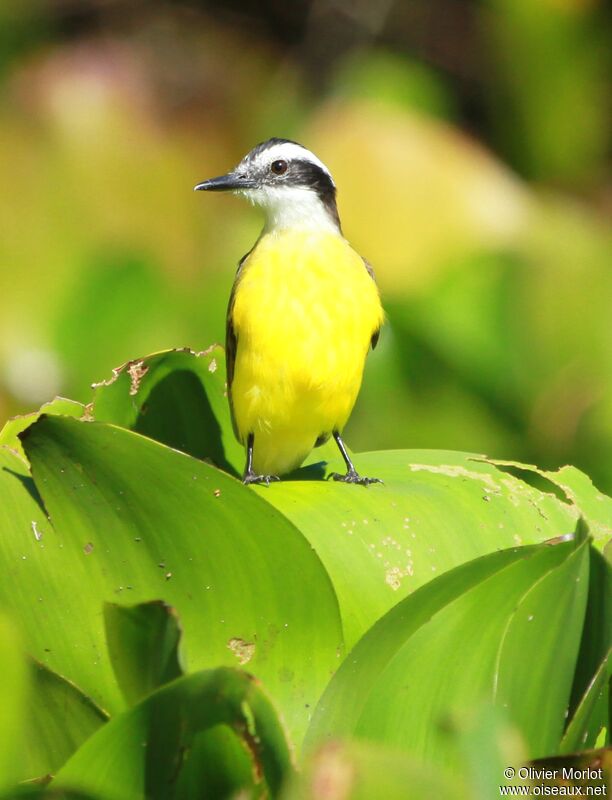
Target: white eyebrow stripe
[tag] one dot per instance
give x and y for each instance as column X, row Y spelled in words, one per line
column 288, row 151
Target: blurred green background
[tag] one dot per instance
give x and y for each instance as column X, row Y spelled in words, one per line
column 471, row 145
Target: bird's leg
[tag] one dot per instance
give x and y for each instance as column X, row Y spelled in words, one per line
column 249, row 476
column 352, row 476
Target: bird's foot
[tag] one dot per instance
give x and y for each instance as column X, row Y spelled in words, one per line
column 251, row 477
column 354, row 477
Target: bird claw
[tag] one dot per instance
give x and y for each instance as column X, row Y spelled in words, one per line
column 354, row 477
column 252, row 478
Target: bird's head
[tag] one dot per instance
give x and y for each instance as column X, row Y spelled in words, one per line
column 290, row 183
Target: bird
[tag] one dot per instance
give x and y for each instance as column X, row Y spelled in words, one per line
column 303, row 312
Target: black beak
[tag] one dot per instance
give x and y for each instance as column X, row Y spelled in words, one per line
column 225, row 183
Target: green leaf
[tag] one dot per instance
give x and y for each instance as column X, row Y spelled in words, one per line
column 9, row 434
column 59, row 719
column 51, row 593
column 597, row 632
column 594, row 506
column 12, row 701
column 542, row 638
column 143, row 642
column 341, row 706
column 177, row 397
column 57, row 716
column 491, row 631
column 25, row 533
column 436, row 510
column 150, row 744
column 133, row 519
column 218, row 766
column 592, row 714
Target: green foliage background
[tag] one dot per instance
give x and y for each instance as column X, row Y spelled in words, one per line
column 166, row 632
column 470, row 143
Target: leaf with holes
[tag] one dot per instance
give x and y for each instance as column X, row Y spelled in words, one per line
column 9, row 434
column 177, row 397
column 435, row 510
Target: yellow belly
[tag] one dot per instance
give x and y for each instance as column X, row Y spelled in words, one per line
column 305, row 309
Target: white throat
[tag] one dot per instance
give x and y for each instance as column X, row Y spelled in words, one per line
column 292, row 207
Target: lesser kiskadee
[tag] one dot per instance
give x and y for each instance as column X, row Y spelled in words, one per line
column 303, row 312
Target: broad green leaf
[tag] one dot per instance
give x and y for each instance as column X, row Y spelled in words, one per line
column 59, row 719
column 364, row 771
column 143, row 642
column 136, row 520
column 9, row 434
column 49, row 590
column 341, row 706
column 177, row 397
column 436, row 510
column 540, row 638
column 149, row 745
column 13, row 687
column 57, row 716
column 592, row 714
column 492, row 631
column 597, row 633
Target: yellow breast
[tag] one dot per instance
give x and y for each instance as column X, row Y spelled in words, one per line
column 305, row 309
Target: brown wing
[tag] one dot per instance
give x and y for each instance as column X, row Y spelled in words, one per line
column 231, row 342
column 370, row 269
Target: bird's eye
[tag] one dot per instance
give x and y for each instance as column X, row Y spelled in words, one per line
column 278, row 167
